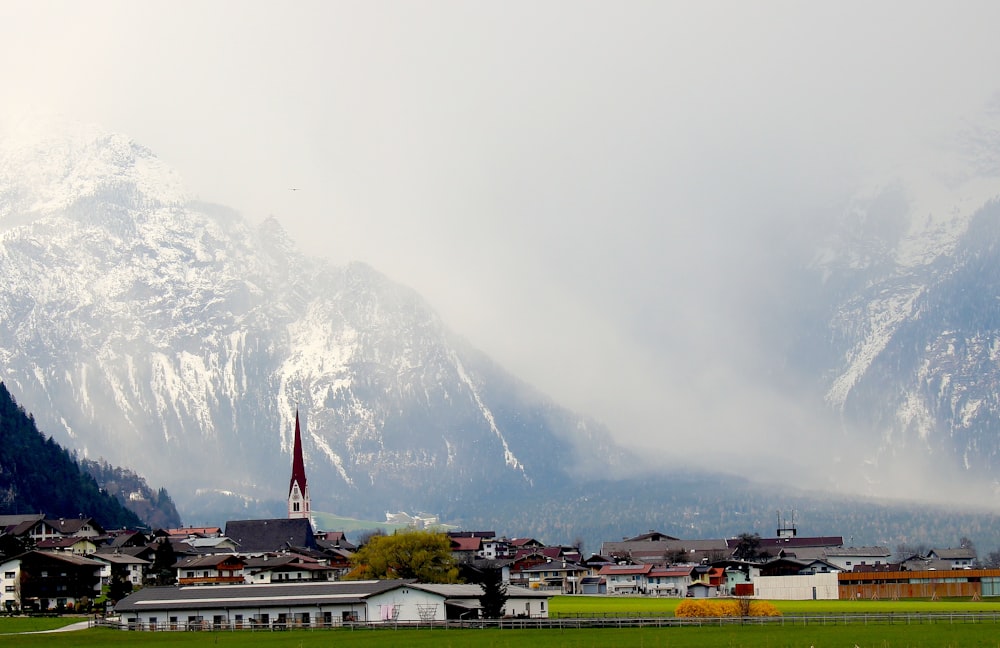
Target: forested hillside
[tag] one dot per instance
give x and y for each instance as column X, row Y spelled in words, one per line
column 37, row 475
column 155, row 508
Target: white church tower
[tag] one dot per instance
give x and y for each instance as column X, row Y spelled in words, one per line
column 298, row 490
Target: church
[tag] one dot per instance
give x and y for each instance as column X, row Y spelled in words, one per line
column 298, row 490
column 276, row 535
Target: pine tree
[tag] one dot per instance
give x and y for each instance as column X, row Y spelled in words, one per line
column 494, row 596
column 162, row 571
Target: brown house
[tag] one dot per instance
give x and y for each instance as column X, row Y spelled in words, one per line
column 212, row 569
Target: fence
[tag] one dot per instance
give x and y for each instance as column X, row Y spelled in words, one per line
column 570, row 622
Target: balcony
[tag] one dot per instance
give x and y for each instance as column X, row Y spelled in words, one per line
column 211, row 580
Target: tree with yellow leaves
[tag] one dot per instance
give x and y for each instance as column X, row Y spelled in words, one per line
column 423, row 555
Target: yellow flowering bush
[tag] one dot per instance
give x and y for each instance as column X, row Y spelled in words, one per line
column 714, row 608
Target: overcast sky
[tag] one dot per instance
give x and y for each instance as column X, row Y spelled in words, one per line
column 595, row 193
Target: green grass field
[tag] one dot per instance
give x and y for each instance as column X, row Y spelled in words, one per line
column 817, row 634
column 599, row 606
column 34, row 624
column 871, row 636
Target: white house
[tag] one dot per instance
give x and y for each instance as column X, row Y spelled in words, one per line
column 847, row 558
column 312, row 604
column 131, row 567
column 960, row 558
column 10, row 578
column 669, row 581
column 625, row 579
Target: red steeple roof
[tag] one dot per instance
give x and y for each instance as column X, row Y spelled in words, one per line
column 298, row 465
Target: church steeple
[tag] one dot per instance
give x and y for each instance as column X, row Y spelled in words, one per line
column 298, row 491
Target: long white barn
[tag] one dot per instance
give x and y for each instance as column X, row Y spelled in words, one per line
column 313, row 604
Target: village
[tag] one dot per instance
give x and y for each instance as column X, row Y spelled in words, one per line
column 283, row 572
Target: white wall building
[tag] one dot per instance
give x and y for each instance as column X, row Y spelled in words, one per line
column 313, row 604
column 797, row 588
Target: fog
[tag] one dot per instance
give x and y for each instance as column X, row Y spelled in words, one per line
column 611, row 199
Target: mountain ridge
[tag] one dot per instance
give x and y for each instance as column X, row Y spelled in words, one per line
column 176, row 329
column 142, row 325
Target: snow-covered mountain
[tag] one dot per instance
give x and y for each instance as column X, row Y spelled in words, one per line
column 178, row 340
column 911, row 281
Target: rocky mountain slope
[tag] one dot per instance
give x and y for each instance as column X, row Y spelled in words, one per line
column 911, row 323
column 178, row 340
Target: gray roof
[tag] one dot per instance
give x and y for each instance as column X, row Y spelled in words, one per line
column 14, row 520
column 953, row 554
column 857, row 551
column 252, row 536
column 119, row 559
column 233, row 596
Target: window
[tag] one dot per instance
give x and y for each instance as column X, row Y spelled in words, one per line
column 9, row 574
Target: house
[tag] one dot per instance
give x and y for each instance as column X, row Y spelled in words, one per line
column 312, row 604
column 848, row 558
column 10, row 585
column 961, row 558
column 625, row 579
column 212, row 544
column 145, row 552
column 706, row 581
column 560, row 575
column 334, row 540
column 792, row 567
column 660, row 548
column 128, row 539
column 47, row 580
column 72, row 544
column 495, row 549
column 465, row 548
column 64, row 527
column 669, row 581
column 210, row 569
column 130, row 568
column 277, row 568
column 528, row 558
column 19, row 526
column 194, row 532
column 786, row 541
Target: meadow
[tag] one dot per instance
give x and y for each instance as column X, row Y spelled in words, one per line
column 601, row 606
column 877, row 636
column 957, row 632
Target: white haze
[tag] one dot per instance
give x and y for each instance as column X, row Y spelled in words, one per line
column 607, row 197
